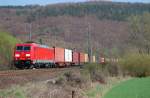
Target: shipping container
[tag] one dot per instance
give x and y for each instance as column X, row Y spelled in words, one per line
column 59, row 55
column 76, row 58
column 82, row 58
column 93, row 59
column 68, row 55
column 86, row 58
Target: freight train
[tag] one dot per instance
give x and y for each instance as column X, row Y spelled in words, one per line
column 33, row 55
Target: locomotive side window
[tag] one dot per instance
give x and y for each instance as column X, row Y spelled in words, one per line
column 19, row 48
column 27, row 48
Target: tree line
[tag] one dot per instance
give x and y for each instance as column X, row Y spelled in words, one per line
column 102, row 10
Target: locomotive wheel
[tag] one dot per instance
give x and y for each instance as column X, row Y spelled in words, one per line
column 32, row 67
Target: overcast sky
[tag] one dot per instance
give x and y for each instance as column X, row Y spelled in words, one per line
column 44, row 2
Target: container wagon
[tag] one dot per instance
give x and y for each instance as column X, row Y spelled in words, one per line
column 81, row 58
column 68, row 57
column 59, row 56
column 86, row 58
column 93, row 59
column 76, row 58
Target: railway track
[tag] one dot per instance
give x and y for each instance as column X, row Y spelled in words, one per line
column 19, row 77
column 27, row 72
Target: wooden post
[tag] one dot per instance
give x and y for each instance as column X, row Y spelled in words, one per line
column 73, row 93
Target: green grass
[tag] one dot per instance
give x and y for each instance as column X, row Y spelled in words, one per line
column 93, row 92
column 134, row 88
column 16, row 92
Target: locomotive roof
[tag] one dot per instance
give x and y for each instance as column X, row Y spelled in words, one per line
column 32, row 44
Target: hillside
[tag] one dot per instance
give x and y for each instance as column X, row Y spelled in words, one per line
column 66, row 25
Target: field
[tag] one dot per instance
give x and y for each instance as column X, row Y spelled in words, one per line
column 134, row 88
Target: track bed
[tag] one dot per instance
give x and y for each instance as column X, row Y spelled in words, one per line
column 11, row 77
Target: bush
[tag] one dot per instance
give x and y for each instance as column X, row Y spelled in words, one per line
column 136, row 64
column 74, row 79
column 96, row 72
column 7, row 43
column 100, row 72
column 113, row 69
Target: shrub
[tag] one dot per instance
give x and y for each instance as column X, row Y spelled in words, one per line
column 74, row 79
column 7, row 43
column 113, row 69
column 96, row 72
column 136, row 64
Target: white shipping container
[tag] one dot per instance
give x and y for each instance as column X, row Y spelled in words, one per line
column 94, row 59
column 68, row 55
column 86, row 58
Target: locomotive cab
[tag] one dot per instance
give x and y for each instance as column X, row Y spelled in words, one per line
column 22, row 55
column 29, row 55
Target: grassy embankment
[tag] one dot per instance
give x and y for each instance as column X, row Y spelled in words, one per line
column 103, row 78
column 99, row 90
column 110, row 87
column 135, row 65
column 15, row 92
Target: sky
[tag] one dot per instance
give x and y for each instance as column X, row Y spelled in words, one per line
column 44, row 2
column 133, row 1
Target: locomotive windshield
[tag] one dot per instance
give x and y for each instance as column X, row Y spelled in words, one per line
column 21, row 48
column 26, row 48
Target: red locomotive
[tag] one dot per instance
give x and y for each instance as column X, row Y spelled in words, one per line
column 29, row 55
column 33, row 55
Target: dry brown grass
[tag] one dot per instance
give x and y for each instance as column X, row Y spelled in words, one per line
column 57, row 87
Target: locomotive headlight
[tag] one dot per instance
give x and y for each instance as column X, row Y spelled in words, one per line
column 27, row 55
column 17, row 55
